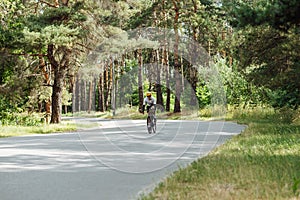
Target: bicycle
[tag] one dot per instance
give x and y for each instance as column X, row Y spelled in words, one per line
column 151, row 120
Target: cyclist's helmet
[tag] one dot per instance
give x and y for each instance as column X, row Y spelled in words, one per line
column 148, row 94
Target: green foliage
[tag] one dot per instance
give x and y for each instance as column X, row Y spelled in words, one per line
column 144, row 17
column 68, row 16
column 59, row 35
column 66, row 97
column 127, row 84
column 238, row 89
column 135, row 98
column 280, row 98
column 12, row 114
column 280, row 14
column 12, row 23
column 267, row 47
column 5, row 106
column 6, row 63
column 207, row 21
column 203, row 95
column 296, row 186
column 20, row 119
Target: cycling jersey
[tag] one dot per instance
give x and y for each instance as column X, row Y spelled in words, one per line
column 150, row 101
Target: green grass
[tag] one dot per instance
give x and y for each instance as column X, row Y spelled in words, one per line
column 88, row 114
column 132, row 113
column 32, row 124
column 261, row 163
column 10, row 131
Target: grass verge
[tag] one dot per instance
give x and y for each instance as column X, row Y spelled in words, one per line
column 10, row 131
column 261, row 163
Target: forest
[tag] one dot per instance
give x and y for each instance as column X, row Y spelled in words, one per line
column 66, row 56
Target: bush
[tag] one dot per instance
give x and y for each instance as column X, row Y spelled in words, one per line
column 20, row 119
column 261, row 114
column 286, row 115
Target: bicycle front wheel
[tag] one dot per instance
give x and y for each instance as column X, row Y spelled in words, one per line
column 149, row 127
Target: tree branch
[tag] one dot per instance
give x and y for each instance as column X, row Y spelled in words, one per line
column 56, row 5
column 25, row 54
column 51, row 56
column 82, row 45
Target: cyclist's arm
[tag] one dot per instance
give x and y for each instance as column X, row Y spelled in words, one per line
column 144, row 104
column 154, row 100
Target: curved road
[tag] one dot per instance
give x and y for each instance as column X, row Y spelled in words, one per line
column 116, row 160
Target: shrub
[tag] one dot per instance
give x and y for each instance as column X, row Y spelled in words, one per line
column 20, row 119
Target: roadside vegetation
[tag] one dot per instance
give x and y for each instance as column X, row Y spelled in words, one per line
column 79, row 57
column 10, row 131
column 17, row 124
column 260, row 163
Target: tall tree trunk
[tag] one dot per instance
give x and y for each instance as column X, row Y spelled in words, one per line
column 122, row 89
column 140, row 78
column 66, row 109
column 112, row 87
column 165, row 59
column 155, row 54
column 159, row 97
column 116, row 81
column 182, row 72
column 106, row 87
column 60, row 70
column 193, row 70
column 78, row 93
column 90, row 96
column 58, row 84
column 194, row 81
column 109, row 88
column 73, row 93
column 83, row 95
column 167, row 76
column 176, row 58
column 47, row 79
column 100, row 93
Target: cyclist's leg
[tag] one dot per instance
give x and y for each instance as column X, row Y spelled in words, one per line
column 147, row 108
column 148, row 121
column 149, row 125
column 154, row 121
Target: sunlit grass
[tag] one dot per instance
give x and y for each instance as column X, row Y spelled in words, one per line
column 133, row 113
column 261, row 163
column 67, row 125
column 9, row 131
column 88, row 114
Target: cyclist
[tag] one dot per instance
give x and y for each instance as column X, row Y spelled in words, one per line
column 149, row 101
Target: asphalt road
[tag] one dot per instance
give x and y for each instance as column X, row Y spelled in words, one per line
column 116, row 160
